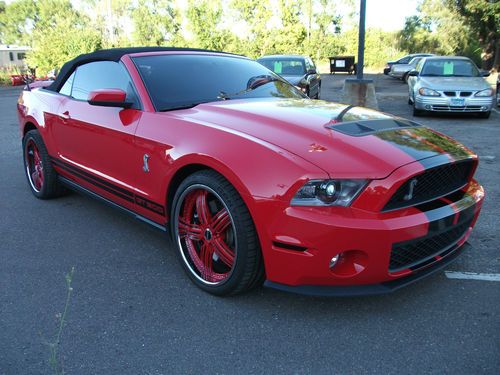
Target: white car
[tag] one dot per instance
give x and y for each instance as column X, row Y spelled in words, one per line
column 449, row 84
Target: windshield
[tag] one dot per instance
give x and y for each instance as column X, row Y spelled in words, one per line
column 285, row 67
column 449, row 68
column 183, row 81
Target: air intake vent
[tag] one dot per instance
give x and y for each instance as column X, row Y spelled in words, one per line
column 367, row 127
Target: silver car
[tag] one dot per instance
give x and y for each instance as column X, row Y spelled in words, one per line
column 401, row 71
column 449, row 84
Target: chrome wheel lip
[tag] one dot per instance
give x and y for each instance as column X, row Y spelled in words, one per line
column 193, row 272
column 33, row 145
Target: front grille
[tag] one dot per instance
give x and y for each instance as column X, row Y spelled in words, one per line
column 431, row 184
column 449, row 93
column 411, row 254
column 447, row 108
column 465, row 93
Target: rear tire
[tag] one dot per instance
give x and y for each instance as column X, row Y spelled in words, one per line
column 42, row 178
column 215, row 236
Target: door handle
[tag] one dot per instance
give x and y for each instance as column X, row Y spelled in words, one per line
column 64, row 115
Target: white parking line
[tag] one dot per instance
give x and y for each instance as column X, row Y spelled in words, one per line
column 472, row 276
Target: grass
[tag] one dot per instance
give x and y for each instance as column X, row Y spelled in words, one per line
column 54, row 360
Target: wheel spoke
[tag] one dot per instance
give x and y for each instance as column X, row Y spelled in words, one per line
column 206, row 256
column 225, row 254
column 221, row 221
column 189, row 230
column 202, row 208
column 35, row 177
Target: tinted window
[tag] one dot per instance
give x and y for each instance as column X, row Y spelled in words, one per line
column 21, row 56
column 176, row 81
column 66, row 89
column 286, row 66
column 450, row 68
column 404, row 60
column 101, row 75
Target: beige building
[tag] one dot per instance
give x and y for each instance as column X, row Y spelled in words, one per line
column 12, row 56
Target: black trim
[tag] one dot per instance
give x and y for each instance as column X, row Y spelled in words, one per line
column 371, row 289
column 112, row 54
column 287, row 246
column 111, row 188
column 74, row 186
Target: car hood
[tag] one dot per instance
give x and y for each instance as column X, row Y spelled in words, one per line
column 335, row 137
column 454, row 83
column 294, row 80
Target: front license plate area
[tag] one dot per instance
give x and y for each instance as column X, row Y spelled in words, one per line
column 457, row 102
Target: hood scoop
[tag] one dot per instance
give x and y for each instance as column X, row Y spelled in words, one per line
column 367, row 127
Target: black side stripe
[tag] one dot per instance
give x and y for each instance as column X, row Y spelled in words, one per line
column 109, row 187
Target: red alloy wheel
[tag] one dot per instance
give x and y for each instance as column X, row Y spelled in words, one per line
column 206, row 234
column 34, row 166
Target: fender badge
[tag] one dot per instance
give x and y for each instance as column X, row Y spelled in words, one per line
column 145, row 159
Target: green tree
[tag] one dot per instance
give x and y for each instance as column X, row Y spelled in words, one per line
column 156, row 22
column 256, row 15
column 483, row 19
column 205, row 24
column 60, row 34
column 17, row 21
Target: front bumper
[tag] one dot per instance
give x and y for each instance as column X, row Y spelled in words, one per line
column 444, row 104
column 303, row 240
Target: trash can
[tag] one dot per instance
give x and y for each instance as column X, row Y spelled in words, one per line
column 343, row 64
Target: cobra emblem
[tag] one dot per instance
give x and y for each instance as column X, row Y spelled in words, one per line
column 145, row 159
column 411, row 189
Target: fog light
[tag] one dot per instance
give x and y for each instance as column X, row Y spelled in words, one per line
column 334, row 261
column 427, row 106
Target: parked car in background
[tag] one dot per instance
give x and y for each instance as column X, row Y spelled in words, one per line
column 403, row 60
column 401, row 71
column 498, row 90
column 254, row 180
column 300, row 71
column 449, row 84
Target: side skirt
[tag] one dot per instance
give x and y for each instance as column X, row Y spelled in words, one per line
column 74, row 186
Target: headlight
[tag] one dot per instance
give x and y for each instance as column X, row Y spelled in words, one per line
column 328, row 193
column 428, row 92
column 487, row 92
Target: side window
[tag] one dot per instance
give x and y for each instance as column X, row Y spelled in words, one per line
column 11, row 56
column 102, row 75
column 404, row 60
column 308, row 64
column 66, row 89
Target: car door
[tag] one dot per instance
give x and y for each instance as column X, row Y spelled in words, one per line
column 95, row 144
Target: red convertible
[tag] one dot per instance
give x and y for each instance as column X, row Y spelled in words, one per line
column 255, row 181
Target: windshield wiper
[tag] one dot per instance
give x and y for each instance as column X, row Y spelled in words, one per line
column 182, row 106
column 252, row 84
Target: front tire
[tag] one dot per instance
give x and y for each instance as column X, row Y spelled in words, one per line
column 214, row 235
column 42, row 177
column 484, row 115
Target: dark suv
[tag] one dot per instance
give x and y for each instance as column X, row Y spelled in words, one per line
column 300, row 71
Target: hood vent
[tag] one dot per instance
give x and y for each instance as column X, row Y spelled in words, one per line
column 367, row 127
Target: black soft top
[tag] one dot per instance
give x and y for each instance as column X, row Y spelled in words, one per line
column 112, row 54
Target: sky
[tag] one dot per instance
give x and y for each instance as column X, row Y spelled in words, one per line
column 389, row 15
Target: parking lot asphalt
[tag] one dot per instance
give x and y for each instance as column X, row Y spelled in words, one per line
column 134, row 311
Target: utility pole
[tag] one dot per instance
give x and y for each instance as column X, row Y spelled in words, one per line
column 361, row 40
column 360, row 91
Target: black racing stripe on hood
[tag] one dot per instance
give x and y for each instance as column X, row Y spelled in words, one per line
column 422, row 143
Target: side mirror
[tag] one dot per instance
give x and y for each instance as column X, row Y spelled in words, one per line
column 413, row 73
column 484, row 73
column 109, row 98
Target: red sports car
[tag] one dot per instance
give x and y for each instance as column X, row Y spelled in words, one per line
column 253, row 180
